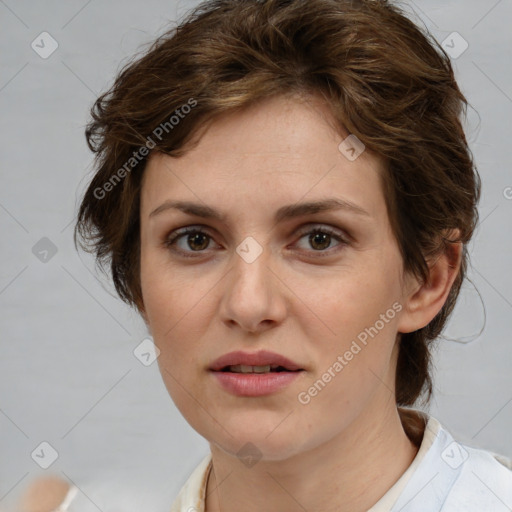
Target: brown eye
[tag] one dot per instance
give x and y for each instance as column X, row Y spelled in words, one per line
column 320, row 239
column 190, row 240
column 195, row 240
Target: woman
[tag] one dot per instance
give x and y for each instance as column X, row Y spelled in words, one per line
column 285, row 193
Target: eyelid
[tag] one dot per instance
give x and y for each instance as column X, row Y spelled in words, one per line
column 175, row 234
column 334, row 231
column 342, row 236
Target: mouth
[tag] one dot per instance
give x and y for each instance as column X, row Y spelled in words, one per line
column 263, row 361
column 240, row 368
column 255, row 381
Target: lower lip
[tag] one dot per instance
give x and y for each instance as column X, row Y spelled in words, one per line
column 255, row 384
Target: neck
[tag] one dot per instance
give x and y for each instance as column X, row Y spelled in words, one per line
column 349, row 472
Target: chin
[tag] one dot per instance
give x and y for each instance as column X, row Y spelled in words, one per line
column 251, row 451
column 253, row 437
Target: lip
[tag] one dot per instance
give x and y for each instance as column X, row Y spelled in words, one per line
column 255, row 384
column 261, row 358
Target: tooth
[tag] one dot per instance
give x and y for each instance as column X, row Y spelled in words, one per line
column 261, row 369
column 241, row 368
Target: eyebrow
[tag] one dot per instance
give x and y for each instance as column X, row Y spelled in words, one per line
column 283, row 213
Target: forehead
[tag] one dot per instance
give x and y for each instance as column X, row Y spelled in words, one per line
column 278, row 151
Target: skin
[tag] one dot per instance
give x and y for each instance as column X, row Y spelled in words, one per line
column 344, row 449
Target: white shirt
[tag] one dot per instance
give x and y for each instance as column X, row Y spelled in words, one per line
column 445, row 476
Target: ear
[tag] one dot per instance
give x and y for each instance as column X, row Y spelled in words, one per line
column 422, row 301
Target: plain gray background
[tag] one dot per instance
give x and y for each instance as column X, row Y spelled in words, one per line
column 68, row 374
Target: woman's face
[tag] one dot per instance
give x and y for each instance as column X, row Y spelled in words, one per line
column 259, row 279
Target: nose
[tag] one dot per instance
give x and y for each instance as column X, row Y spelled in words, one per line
column 253, row 294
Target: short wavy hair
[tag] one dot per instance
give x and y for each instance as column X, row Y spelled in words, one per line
column 385, row 80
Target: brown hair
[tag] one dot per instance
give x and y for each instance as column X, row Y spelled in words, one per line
column 385, row 80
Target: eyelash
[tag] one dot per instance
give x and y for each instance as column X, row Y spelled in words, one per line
column 169, row 242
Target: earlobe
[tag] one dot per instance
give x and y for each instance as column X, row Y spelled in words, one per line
column 426, row 299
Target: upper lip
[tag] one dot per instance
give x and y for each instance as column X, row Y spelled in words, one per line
column 261, row 358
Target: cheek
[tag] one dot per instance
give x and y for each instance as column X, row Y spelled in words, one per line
column 163, row 309
column 175, row 303
column 168, row 293
column 171, row 309
column 355, row 318
column 343, row 304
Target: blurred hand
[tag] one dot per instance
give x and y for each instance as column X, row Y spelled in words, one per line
column 47, row 494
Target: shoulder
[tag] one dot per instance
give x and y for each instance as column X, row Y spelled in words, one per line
column 480, row 479
column 452, row 476
column 191, row 495
column 484, row 482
